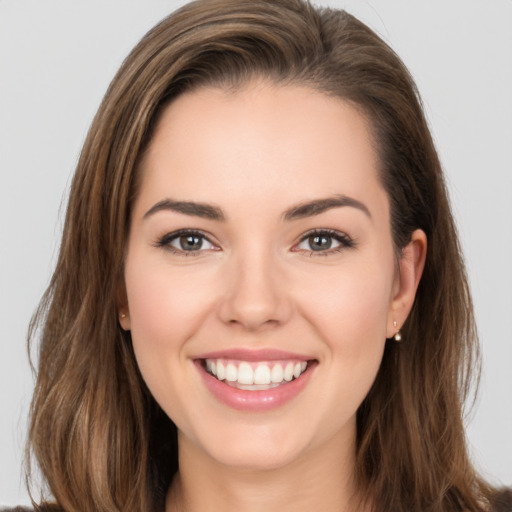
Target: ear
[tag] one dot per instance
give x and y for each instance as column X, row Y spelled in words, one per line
column 122, row 307
column 407, row 278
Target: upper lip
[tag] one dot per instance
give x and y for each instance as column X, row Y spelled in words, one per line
column 244, row 354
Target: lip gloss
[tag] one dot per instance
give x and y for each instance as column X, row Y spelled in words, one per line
column 257, row 400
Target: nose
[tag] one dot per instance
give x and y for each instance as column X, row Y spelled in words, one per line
column 254, row 294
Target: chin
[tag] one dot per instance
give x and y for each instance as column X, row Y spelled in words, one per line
column 251, row 448
column 256, row 458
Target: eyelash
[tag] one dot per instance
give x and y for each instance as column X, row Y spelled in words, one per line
column 344, row 240
column 165, row 241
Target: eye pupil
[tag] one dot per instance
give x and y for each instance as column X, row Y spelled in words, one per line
column 191, row 242
column 320, row 242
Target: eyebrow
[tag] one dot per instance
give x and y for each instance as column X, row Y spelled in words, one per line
column 211, row 212
column 204, row 210
column 318, row 206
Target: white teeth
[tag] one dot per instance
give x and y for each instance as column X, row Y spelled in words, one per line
column 245, row 374
column 221, row 372
column 288, row 372
column 255, row 376
column 211, row 367
column 231, row 372
column 277, row 373
column 253, row 387
column 262, row 374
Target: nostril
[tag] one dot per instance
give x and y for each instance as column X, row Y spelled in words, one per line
column 254, row 300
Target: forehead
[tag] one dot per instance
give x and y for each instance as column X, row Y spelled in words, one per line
column 262, row 142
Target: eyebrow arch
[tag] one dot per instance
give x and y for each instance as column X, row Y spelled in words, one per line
column 318, row 206
column 206, row 211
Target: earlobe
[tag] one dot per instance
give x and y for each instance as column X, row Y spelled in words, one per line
column 411, row 265
column 122, row 307
column 124, row 320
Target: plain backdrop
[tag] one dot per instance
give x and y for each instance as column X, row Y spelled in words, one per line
column 56, row 60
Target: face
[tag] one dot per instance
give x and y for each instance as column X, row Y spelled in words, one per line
column 260, row 251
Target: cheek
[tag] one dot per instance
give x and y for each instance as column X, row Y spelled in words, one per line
column 352, row 302
column 164, row 305
column 166, row 308
column 356, row 335
column 349, row 308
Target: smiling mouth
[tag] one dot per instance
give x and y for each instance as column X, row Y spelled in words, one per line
column 255, row 376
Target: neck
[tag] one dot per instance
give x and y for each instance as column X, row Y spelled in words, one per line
column 317, row 480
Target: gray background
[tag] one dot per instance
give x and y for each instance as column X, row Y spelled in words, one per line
column 56, row 60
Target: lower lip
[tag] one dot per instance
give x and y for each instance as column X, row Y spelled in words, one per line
column 255, row 401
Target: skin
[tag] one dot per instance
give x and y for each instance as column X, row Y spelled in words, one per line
column 257, row 283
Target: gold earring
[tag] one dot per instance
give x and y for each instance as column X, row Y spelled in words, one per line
column 398, row 334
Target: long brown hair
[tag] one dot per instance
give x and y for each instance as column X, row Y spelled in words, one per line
column 97, row 434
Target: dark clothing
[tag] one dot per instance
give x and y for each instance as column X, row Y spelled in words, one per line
column 502, row 503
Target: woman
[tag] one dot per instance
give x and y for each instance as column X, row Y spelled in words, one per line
column 259, row 273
